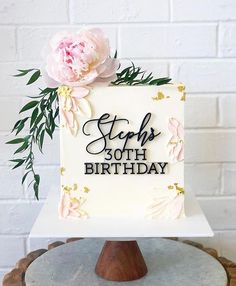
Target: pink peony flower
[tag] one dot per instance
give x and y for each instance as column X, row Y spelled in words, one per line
column 176, row 143
column 79, row 59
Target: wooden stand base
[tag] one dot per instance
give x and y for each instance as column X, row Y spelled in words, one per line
column 121, row 261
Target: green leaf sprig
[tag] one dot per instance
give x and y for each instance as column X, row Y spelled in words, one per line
column 44, row 112
column 133, row 75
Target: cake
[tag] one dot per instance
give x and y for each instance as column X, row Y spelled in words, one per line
column 122, row 152
column 121, row 131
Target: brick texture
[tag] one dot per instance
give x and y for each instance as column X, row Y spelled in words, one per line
column 119, row 11
column 12, row 249
column 203, row 10
column 169, row 41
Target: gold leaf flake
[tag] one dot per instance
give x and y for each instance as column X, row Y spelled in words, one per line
column 86, row 190
column 181, row 87
column 75, row 187
column 66, row 189
column 170, row 187
column 74, row 200
column 62, row 171
column 159, row 96
column 179, row 190
column 183, row 98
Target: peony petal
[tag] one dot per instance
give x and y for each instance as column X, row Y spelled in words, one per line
column 48, row 80
column 104, row 81
column 108, row 68
column 97, row 31
column 87, row 79
column 58, row 37
column 80, row 92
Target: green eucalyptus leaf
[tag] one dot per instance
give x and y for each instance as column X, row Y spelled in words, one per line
column 39, row 130
column 34, row 116
column 37, row 178
column 56, row 113
column 24, row 177
column 29, row 105
column 18, row 164
column 36, row 190
column 41, row 140
column 52, row 97
column 49, row 132
column 23, row 72
column 16, row 141
column 39, row 96
column 15, row 160
column 136, row 76
column 16, row 125
column 29, row 165
column 34, row 77
column 38, row 119
column 48, row 90
column 23, row 147
column 20, row 127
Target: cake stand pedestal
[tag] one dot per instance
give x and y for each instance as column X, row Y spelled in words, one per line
column 121, row 261
column 169, row 263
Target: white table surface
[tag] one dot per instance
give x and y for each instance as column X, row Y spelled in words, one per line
column 48, row 224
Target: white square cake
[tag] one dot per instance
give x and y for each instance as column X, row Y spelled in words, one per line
column 123, row 156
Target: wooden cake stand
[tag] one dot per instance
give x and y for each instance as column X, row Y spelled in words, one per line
column 159, row 260
column 169, row 263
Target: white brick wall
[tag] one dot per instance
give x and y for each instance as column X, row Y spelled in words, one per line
column 172, row 40
column 192, row 41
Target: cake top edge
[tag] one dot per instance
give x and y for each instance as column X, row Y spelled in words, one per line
column 169, row 85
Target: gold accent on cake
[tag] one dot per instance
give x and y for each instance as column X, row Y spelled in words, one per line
column 179, row 190
column 183, row 98
column 72, row 201
column 86, row 190
column 159, row 96
column 62, row 171
column 181, row 87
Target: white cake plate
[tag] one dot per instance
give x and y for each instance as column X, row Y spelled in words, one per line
column 48, row 224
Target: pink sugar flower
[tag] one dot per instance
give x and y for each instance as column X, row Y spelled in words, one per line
column 72, row 103
column 176, row 143
column 71, row 207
